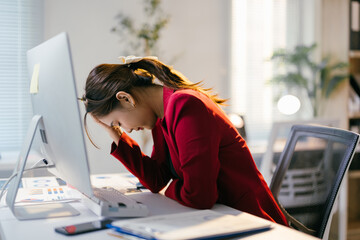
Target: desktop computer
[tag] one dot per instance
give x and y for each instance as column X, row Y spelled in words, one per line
column 57, row 119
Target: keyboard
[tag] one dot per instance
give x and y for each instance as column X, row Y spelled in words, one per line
column 109, row 202
column 110, row 194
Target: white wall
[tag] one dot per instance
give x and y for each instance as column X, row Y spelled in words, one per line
column 197, row 33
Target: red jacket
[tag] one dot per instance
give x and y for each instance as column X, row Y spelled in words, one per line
column 208, row 161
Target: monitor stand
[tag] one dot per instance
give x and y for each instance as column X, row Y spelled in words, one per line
column 33, row 211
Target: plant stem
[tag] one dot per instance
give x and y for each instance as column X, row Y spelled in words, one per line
column 315, row 96
column 147, row 48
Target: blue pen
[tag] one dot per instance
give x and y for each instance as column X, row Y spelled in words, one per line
column 131, row 232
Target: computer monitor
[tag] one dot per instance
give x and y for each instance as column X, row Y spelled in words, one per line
column 56, row 117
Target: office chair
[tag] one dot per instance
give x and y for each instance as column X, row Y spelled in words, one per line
column 309, row 174
column 277, row 139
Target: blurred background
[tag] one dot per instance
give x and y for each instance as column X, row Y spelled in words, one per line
column 277, row 61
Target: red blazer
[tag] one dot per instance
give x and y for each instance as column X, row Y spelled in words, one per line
column 198, row 148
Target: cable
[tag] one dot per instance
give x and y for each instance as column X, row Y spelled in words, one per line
column 35, row 166
column 3, row 190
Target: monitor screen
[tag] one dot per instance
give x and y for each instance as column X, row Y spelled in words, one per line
column 54, row 98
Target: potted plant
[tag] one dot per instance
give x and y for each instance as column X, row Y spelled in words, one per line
column 298, row 71
column 142, row 38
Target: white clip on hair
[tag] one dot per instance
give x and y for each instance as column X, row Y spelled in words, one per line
column 131, row 59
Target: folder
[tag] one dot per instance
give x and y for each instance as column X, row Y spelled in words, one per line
column 201, row 224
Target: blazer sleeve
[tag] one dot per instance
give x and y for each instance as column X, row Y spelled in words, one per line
column 153, row 172
column 197, row 138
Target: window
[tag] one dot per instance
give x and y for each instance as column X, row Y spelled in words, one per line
column 258, row 28
column 20, row 29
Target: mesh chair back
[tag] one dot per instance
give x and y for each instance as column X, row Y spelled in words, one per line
column 309, row 173
column 277, row 140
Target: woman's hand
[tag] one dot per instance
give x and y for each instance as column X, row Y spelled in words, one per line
column 114, row 130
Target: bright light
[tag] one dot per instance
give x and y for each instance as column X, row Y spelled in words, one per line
column 236, row 120
column 288, row 104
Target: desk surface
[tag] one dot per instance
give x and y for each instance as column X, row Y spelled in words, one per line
column 11, row 228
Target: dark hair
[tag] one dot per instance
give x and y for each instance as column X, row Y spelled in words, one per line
column 105, row 80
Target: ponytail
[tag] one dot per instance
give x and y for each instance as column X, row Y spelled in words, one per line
column 172, row 78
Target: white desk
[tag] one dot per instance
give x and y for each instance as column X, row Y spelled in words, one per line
column 13, row 229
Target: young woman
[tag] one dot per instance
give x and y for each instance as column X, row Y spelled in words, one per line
column 196, row 147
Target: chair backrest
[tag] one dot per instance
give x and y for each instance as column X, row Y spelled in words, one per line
column 277, row 139
column 309, row 174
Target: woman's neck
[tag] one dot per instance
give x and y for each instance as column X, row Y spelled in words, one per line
column 153, row 97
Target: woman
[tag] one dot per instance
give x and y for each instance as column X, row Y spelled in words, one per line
column 195, row 144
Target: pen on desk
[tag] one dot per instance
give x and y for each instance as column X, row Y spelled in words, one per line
column 116, row 235
column 131, row 232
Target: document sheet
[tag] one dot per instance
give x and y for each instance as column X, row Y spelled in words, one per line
column 191, row 225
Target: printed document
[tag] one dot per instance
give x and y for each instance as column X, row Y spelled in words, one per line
column 191, row 225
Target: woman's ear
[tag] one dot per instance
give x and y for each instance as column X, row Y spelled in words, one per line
column 125, row 98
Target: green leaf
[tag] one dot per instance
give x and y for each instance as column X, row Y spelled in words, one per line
column 339, row 65
column 290, row 80
column 324, row 76
column 334, row 82
column 127, row 23
column 323, row 64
